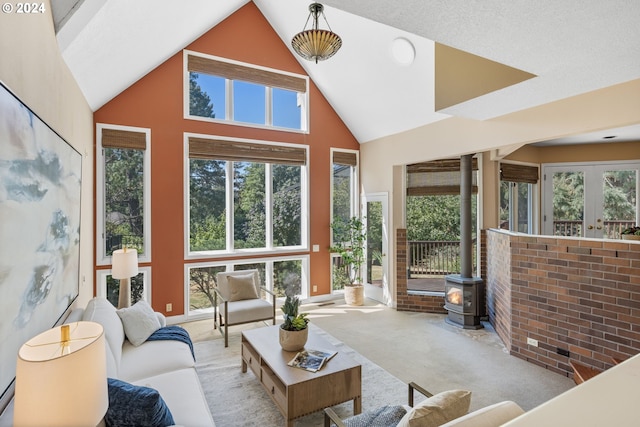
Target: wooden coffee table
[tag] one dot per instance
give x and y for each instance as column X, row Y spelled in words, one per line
column 297, row 392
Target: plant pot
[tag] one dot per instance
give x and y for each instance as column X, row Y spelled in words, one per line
column 293, row 340
column 630, row 237
column 354, row 294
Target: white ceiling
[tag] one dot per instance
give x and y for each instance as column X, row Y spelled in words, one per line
column 572, row 46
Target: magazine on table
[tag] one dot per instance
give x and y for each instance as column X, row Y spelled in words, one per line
column 311, row 359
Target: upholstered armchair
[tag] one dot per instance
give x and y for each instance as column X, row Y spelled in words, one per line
column 237, row 300
column 434, row 411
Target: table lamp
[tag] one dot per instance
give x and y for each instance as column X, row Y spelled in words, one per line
column 124, row 265
column 61, row 377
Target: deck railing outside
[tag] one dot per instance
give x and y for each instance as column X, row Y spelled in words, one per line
column 612, row 229
column 435, row 258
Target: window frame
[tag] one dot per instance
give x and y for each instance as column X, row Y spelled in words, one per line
column 230, row 265
column 533, row 200
column 101, row 257
column 230, row 250
column 229, row 120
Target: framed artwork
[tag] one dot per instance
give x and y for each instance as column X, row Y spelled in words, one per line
column 40, row 187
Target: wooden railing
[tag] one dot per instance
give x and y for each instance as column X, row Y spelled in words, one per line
column 611, row 229
column 430, row 258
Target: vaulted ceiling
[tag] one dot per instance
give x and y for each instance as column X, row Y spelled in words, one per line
column 399, row 67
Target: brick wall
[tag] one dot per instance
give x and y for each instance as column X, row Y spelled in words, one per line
column 582, row 295
column 406, row 301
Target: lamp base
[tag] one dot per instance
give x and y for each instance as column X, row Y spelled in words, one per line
column 124, row 295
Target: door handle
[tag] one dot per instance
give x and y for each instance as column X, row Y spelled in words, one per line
column 599, row 227
column 590, row 227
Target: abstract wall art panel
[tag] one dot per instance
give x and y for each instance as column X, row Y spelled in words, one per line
column 40, row 187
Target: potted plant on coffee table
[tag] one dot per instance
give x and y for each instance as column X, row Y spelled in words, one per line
column 294, row 330
column 631, row 233
column 352, row 237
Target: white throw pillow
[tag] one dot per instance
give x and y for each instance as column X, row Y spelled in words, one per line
column 139, row 322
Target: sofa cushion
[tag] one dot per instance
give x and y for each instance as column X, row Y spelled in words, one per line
column 438, row 409
column 131, row 406
column 144, row 361
column 139, row 322
column 241, row 287
column 100, row 310
column 182, row 392
column 489, row 416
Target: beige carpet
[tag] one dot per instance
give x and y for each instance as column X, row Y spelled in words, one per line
column 421, row 347
column 238, row 399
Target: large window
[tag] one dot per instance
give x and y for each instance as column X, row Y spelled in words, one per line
column 518, row 199
column 245, row 196
column 344, row 205
column 123, row 188
column 234, row 92
column 109, row 287
column 282, row 275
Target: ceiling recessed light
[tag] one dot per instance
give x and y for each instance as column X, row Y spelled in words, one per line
column 609, row 137
column 403, row 51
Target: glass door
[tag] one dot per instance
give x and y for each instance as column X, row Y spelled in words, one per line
column 590, row 200
column 377, row 277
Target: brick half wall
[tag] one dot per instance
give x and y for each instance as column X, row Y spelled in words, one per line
column 582, row 295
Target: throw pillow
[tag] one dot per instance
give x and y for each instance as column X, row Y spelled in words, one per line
column 242, row 287
column 131, row 406
column 381, row 417
column 438, row 409
column 139, row 322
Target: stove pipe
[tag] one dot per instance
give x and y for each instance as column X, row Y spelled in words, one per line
column 466, row 248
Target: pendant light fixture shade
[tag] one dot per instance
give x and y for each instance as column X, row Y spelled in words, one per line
column 316, row 44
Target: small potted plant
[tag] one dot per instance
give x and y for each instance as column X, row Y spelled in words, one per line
column 631, row 233
column 351, row 236
column 294, row 330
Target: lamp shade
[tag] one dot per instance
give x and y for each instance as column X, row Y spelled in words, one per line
column 62, row 382
column 124, row 263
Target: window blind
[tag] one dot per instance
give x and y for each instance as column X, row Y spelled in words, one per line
column 240, row 151
column 518, row 173
column 345, row 158
column 234, row 71
column 115, row 138
column 437, row 178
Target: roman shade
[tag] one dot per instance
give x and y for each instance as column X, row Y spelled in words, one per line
column 518, row 173
column 115, row 138
column 345, row 158
column 234, row 71
column 242, row 151
column 437, row 178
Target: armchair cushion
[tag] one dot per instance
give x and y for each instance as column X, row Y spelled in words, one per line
column 384, row 416
column 241, row 287
column 438, row 409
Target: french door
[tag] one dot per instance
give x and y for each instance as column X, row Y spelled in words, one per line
column 375, row 213
column 596, row 200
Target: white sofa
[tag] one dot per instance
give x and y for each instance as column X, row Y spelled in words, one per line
column 166, row 366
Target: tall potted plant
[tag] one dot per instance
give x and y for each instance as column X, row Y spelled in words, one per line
column 351, row 236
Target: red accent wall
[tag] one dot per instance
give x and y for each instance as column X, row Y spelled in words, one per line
column 156, row 102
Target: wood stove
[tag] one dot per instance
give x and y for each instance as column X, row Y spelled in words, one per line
column 464, row 300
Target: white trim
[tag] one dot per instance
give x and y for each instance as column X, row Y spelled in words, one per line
column 269, row 249
column 101, row 257
column 229, row 119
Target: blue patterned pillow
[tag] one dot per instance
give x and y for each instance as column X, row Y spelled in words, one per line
column 135, row 406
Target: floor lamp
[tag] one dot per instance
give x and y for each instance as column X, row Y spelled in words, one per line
column 124, row 265
column 61, row 377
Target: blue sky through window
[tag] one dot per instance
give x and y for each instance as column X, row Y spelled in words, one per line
column 249, row 103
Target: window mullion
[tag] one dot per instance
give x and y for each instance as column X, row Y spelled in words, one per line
column 268, row 107
column 229, row 99
column 268, row 181
column 229, row 203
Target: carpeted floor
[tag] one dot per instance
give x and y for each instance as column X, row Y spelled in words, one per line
column 237, row 399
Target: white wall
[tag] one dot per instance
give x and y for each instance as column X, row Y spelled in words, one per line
column 32, row 67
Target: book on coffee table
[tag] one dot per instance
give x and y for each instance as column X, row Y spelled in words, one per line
column 311, row 360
